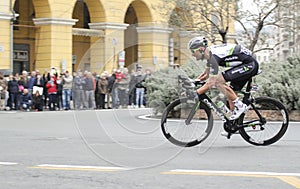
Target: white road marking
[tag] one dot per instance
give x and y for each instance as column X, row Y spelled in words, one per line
column 147, row 117
column 78, row 167
column 8, row 163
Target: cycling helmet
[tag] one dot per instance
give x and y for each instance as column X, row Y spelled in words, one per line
column 197, row 42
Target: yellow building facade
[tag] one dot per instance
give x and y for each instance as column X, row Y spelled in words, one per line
column 92, row 35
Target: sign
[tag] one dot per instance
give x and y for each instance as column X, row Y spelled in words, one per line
column 74, row 59
column 114, row 41
column 21, row 55
column 64, row 64
column 122, row 59
column 155, row 60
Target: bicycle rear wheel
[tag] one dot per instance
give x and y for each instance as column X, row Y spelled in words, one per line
column 177, row 131
column 270, row 128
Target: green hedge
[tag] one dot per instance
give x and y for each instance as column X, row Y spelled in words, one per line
column 162, row 87
column 281, row 81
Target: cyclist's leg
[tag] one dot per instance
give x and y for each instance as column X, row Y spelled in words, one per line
column 241, row 72
column 226, row 90
column 238, row 76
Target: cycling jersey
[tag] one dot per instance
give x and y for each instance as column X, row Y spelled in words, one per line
column 228, row 55
column 242, row 64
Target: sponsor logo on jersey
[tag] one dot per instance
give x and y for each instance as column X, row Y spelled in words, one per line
column 231, row 58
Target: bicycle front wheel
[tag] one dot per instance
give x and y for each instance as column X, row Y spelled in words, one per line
column 268, row 128
column 175, row 129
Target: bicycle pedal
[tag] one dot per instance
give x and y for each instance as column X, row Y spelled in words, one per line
column 226, row 134
column 229, row 135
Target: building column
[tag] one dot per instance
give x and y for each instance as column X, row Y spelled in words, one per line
column 54, row 43
column 153, row 46
column 6, row 35
column 105, row 51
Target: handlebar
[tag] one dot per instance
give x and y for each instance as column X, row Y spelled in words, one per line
column 189, row 83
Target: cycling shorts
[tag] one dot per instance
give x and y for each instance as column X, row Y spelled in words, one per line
column 239, row 75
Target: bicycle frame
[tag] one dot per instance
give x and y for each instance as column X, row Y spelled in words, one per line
column 205, row 99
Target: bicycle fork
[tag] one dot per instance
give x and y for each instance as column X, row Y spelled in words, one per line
column 192, row 113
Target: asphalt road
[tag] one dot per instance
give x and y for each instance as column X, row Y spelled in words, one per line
column 119, row 149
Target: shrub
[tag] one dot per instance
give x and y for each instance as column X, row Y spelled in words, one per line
column 281, row 81
column 162, row 87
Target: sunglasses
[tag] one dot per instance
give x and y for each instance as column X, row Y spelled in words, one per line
column 194, row 50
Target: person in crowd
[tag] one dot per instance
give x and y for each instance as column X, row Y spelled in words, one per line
column 131, row 92
column 140, row 89
column 21, row 89
column 24, row 79
column 52, row 93
column 102, row 90
column 74, row 97
column 111, row 88
column 116, row 100
column 79, row 93
column 67, row 89
column 13, row 89
column 3, row 92
column 59, row 94
column 17, row 76
column 31, row 81
column 97, row 97
column 26, row 100
column 37, row 101
column 39, row 84
column 46, row 78
column 90, row 86
column 123, row 87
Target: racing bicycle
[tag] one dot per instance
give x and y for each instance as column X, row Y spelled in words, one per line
column 188, row 121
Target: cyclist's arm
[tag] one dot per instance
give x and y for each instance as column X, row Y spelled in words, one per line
column 205, row 74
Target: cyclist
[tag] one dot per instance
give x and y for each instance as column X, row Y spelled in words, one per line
column 241, row 61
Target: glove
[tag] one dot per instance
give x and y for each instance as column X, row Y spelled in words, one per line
column 194, row 96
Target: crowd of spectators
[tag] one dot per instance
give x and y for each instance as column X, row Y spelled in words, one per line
column 78, row 90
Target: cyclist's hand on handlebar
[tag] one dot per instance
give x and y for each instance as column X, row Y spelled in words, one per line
column 203, row 78
column 196, row 96
column 193, row 95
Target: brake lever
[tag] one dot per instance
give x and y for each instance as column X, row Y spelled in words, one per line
column 199, row 82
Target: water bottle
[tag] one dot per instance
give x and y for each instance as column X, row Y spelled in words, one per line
column 223, row 107
column 254, row 88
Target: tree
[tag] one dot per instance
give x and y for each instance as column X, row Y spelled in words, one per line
column 211, row 17
column 263, row 14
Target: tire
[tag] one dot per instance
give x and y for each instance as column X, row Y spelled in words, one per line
column 277, row 121
column 177, row 132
